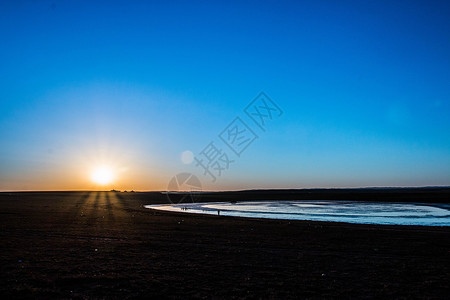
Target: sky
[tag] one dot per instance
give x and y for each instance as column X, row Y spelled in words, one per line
column 236, row 94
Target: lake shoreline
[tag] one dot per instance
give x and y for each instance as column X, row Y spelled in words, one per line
column 355, row 212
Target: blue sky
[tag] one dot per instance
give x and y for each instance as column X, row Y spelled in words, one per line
column 364, row 87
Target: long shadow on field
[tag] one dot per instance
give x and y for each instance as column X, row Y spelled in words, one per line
column 90, row 210
column 72, row 209
column 81, row 202
column 121, row 200
column 109, row 207
column 96, row 202
column 75, row 210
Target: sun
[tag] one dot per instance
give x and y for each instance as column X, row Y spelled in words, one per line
column 102, row 175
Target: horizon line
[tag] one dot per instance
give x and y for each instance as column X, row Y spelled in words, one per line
column 237, row 190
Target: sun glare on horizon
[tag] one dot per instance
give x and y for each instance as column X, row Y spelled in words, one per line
column 102, row 175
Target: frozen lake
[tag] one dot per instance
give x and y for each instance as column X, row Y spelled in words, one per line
column 325, row 210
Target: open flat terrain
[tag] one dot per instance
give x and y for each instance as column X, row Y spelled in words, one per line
column 106, row 245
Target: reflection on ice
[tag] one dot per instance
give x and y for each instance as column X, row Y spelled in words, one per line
column 337, row 211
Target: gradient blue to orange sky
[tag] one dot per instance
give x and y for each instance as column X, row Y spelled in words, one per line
column 364, row 87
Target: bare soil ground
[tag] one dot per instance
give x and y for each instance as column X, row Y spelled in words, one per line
column 90, row 245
